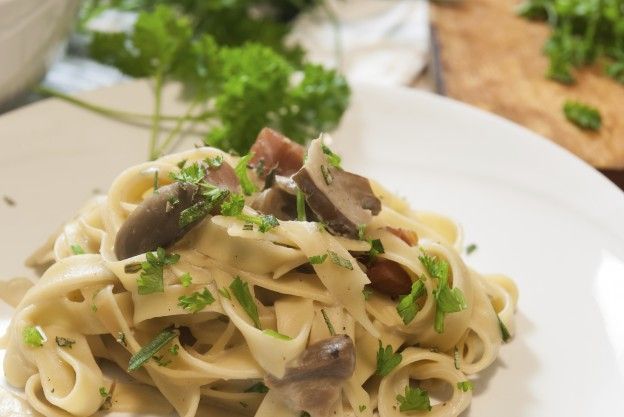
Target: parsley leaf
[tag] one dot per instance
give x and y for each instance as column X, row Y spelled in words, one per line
column 582, row 115
column 77, row 250
column 332, row 158
column 447, row 300
column 265, row 222
column 464, row 386
column 64, row 342
column 192, row 174
column 504, row 331
column 415, row 399
column 317, row 259
column 151, row 279
column 196, row 301
column 242, row 294
column 233, row 206
column 138, row 359
column 339, row 260
column 186, row 279
column 407, row 307
column 471, row 248
column 276, row 335
column 301, row 212
column 241, row 172
column 32, row 336
column 328, row 323
column 376, row 248
column 387, row 360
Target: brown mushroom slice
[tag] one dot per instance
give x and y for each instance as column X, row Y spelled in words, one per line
column 224, row 177
column 274, row 150
column 286, row 184
column 156, row 221
column 276, row 202
column 408, row 236
column 388, row 277
column 340, row 199
column 313, row 383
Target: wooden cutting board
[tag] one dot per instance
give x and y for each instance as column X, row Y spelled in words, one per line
column 493, row 59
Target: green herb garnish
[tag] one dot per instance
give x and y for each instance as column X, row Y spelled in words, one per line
column 77, row 249
column 241, row 172
column 407, row 307
column 387, row 360
column 332, row 158
column 317, row 259
column 214, row 162
column 471, row 248
column 339, row 260
column 265, row 222
column 464, row 386
column 64, row 342
column 233, row 206
column 241, row 292
column 155, row 184
column 186, row 279
column 376, row 248
column 276, row 335
column 161, row 340
column 327, row 176
column 504, row 331
column 447, row 300
column 192, row 174
column 329, row 324
column 582, row 115
column 32, row 337
column 415, row 399
column 151, row 279
column 367, row 292
column 196, row 301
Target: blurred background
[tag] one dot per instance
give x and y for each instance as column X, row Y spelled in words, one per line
column 554, row 66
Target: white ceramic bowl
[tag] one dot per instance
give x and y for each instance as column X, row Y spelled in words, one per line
column 31, row 32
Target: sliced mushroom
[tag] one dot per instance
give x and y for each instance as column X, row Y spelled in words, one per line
column 156, row 221
column 388, row 277
column 286, row 184
column 340, row 199
column 313, row 383
column 223, row 176
column 276, row 202
column 274, row 150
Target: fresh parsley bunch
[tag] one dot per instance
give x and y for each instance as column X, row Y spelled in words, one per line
column 233, row 87
column 583, row 32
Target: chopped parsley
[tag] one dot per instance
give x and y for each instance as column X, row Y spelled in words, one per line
column 415, row 399
column 464, row 386
column 407, row 307
column 258, row 387
column 138, row 359
column 212, row 197
column 340, row 261
column 174, row 349
column 214, row 162
column 301, row 212
column 327, row 176
column 456, row 358
column 32, row 336
column 233, row 206
column 121, row 338
column 582, row 115
column 329, row 324
column 362, row 407
column 241, row 292
column 196, row 301
column 77, row 250
column 151, row 279
column 317, row 259
column 276, row 335
column 192, row 174
column 448, row 300
column 64, row 342
column 376, row 248
column 387, row 360
column 103, row 392
column 225, row 293
column 182, row 163
column 332, row 158
column 155, row 185
column 265, row 222
column 132, row 268
column 186, row 279
column 248, row 226
column 471, row 248
column 367, row 292
column 361, row 231
column 504, row 331
column 241, row 172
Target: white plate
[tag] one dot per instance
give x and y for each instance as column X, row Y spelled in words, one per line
column 536, row 212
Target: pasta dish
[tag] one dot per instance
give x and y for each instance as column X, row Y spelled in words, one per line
column 276, row 284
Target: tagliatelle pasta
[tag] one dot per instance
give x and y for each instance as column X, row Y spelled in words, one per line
column 230, row 354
